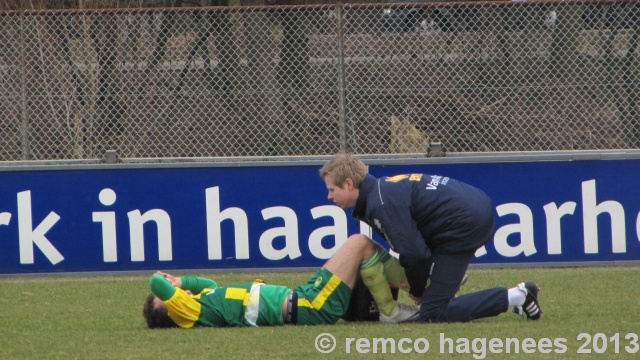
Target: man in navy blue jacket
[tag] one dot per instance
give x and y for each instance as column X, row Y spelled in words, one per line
column 435, row 224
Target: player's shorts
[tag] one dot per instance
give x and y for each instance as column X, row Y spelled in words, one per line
column 323, row 299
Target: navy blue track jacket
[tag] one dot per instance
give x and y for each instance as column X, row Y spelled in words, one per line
column 419, row 214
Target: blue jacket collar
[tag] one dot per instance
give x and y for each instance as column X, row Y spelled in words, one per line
column 360, row 210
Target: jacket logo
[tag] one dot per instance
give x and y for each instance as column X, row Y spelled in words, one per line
column 435, row 181
column 396, row 178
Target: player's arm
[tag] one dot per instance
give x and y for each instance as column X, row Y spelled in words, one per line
column 184, row 310
column 161, row 287
column 197, row 284
column 191, row 283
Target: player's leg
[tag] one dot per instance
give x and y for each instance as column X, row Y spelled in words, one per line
column 360, row 251
column 393, row 270
column 377, row 270
column 361, row 256
column 326, row 296
column 345, row 263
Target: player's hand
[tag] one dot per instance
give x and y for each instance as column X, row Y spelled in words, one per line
column 174, row 280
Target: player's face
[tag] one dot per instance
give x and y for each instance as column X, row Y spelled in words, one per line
column 344, row 196
column 157, row 303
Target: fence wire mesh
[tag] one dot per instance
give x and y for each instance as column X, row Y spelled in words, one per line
column 313, row 80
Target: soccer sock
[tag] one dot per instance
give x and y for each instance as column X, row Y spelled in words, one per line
column 516, row 296
column 393, row 270
column 372, row 274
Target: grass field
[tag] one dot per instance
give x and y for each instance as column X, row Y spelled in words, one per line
column 99, row 317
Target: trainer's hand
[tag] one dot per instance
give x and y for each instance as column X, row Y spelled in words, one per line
column 417, row 300
column 174, row 280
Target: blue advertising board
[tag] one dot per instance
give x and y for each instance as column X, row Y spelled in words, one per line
column 79, row 218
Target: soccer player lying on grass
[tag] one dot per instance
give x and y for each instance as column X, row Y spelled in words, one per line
column 191, row 301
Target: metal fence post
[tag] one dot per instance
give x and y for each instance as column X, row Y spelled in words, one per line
column 24, row 133
column 342, row 100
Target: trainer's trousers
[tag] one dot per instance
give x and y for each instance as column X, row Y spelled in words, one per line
column 439, row 301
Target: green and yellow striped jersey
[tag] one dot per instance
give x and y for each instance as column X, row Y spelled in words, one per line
column 251, row 304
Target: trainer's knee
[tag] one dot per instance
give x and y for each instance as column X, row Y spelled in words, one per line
column 432, row 314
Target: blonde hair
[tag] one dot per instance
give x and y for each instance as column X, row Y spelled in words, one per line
column 345, row 166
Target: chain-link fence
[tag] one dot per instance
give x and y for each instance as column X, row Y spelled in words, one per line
column 313, row 80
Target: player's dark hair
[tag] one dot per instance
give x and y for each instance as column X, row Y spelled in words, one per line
column 156, row 317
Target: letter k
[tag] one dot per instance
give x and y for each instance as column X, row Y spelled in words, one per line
column 29, row 236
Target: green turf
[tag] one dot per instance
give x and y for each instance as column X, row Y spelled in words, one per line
column 98, row 317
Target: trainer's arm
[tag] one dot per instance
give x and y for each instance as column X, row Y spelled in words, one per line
column 417, row 271
column 405, row 238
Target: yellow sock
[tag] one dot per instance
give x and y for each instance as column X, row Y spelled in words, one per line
column 372, row 274
column 394, row 271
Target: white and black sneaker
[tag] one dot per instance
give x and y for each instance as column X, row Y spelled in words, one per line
column 531, row 306
column 402, row 313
